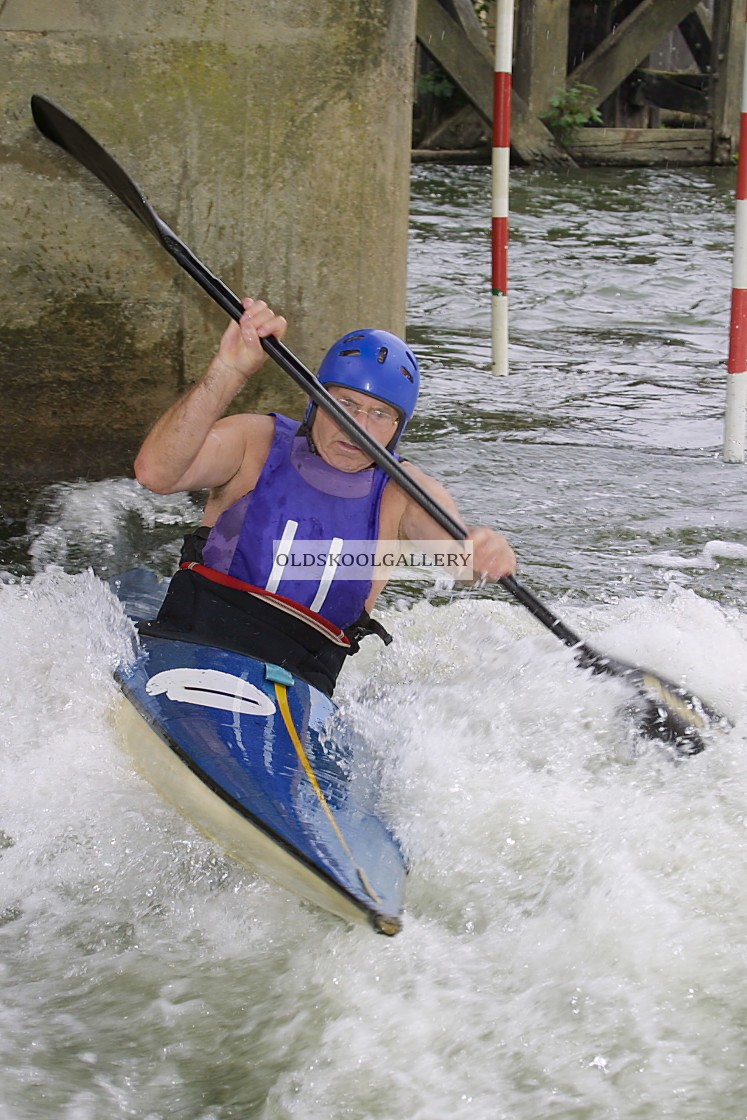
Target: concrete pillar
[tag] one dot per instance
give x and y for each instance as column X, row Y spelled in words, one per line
column 273, row 135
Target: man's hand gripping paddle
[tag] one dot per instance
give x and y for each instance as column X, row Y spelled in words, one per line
column 662, row 710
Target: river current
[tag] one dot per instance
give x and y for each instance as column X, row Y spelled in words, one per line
column 575, row 943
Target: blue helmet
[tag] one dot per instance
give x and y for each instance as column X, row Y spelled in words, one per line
column 378, row 363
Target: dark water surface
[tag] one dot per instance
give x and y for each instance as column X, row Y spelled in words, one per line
column 603, row 446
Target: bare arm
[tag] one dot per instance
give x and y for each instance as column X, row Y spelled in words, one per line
column 493, row 555
column 190, row 447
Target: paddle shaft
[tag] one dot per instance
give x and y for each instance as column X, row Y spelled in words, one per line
column 665, row 706
column 64, row 131
column 313, row 388
column 383, row 458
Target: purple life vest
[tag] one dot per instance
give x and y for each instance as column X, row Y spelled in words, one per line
column 300, row 497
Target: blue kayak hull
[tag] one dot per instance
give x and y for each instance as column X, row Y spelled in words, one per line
column 262, row 763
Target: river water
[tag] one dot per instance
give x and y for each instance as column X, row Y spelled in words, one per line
column 575, row 941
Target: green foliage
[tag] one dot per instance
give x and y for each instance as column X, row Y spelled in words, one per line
column 435, row 82
column 571, row 109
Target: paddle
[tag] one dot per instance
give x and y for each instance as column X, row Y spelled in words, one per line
column 663, row 710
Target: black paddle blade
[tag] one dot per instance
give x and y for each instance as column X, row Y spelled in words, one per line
column 661, row 709
column 68, row 134
column 666, row 711
column 61, row 129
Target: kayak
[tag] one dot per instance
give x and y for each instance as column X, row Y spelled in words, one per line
column 262, row 763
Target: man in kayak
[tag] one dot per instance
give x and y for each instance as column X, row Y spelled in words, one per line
column 272, row 480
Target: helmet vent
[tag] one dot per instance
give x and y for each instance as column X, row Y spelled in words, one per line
column 406, row 372
column 381, row 357
column 350, row 353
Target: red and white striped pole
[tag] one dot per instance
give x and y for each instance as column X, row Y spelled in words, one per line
column 504, row 39
column 736, row 382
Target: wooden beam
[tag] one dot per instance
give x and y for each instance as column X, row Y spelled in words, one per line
column 696, row 31
column 642, row 147
column 541, row 60
column 727, row 64
column 680, row 93
column 629, row 44
column 471, row 68
column 463, row 11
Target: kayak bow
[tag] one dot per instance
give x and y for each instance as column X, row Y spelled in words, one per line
column 259, row 760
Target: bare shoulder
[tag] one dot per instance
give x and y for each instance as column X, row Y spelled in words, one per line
column 431, row 485
column 251, row 436
column 402, row 517
column 251, row 429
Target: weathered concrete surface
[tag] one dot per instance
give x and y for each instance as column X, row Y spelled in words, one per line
column 272, row 135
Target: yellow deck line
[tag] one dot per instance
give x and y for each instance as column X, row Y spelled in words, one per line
column 281, row 693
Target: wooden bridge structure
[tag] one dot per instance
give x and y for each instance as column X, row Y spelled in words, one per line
column 686, row 113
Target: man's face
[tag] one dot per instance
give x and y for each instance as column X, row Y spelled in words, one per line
column 377, row 417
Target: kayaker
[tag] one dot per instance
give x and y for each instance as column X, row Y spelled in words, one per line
column 272, row 479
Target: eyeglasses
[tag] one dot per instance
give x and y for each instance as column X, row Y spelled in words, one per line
column 377, row 417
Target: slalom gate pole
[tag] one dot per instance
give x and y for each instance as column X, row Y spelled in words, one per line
column 736, row 383
column 504, row 39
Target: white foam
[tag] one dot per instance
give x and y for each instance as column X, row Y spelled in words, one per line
column 80, row 524
column 709, row 556
column 574, row 928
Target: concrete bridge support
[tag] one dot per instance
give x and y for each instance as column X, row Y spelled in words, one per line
column 272, row 135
